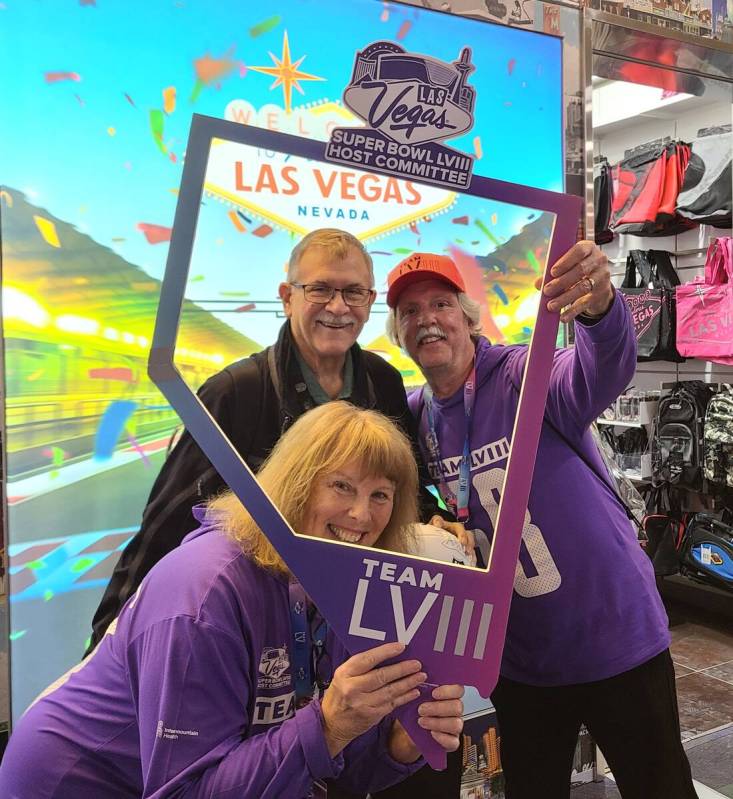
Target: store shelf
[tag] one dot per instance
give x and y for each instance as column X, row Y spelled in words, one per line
column 619, row 423
column 708, row 597
column 636, row 477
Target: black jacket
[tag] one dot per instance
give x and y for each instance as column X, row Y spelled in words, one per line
column 254, row 401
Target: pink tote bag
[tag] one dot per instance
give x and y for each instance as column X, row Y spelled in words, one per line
column 705, row 308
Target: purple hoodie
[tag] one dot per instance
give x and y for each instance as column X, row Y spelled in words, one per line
column 190, row 695
column 585, row 604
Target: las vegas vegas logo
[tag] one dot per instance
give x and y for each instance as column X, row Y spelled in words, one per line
column 410, row 103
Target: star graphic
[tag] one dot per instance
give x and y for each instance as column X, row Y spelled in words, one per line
column 286, row 73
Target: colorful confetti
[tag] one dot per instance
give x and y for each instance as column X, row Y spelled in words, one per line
column 129, row 100
column 404, row 30
column 4, row 195
column 265, row 26
column 82, row 564
column 55, row 77
column 16, row 634
column 140, row 451
column 401, row 251
column 47, row 229
column 245, row 217
column 155, row 234
column 262, row 231
column 209, row 70
column 477, row 147
column 111, row 425
column 79, row 100
column 169, row 99
column 510, row 66
column 460, row 220
column 489, row 235
column 500, row 293
column 236, row 221
column 250, row 306
column 47, row 595
column 156, row 128
column 413, row 229
column 494, row 219
column 197, row 279
column 111, row 131
column 242, row 69
column 123, row 373
column 234, row 294
column 384, row 16
column 532, row 258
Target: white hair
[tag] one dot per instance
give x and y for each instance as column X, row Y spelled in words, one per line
column 471, row 310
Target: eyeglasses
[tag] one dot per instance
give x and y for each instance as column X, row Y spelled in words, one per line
column 321, row 294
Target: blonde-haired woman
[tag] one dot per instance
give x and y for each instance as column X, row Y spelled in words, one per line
column 192, row 691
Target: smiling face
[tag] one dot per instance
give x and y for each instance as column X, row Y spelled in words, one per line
column 349, row 506
column 433, row 328
column 328, row 331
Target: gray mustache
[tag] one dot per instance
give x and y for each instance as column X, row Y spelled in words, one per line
column 330, row 319
column 424, row 332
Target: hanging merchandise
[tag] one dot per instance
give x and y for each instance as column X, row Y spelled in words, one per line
column 652, row 303
column 707, row 551
column 664, row 527
column 603, row 191
column 677, row 445
column 706, row 195
column 705, row 307
column 719, row 438
column 645, row 188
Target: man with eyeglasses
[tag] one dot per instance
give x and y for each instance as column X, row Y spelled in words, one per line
column 327, row 297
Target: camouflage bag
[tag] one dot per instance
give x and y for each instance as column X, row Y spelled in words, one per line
column 718, row 439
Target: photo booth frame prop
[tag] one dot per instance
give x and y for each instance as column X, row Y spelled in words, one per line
column 451, row 617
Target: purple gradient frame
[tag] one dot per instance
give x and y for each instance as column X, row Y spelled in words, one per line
column 460, row 639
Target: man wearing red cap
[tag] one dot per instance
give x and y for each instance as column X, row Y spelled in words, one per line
column 587, row 640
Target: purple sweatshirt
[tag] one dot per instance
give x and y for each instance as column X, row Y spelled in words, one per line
column 190, row 695
column 585, row 604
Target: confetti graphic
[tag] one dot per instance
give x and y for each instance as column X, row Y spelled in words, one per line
column 111, row 426
column 489, row 235
column 169, row 99
column 500, row 293
column 155, row 234
column 156, row 128
column 47, row 229
column 264, row 27
column 56, row 77
column 236, row 221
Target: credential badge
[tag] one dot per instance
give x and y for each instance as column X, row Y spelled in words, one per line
column 410, row 103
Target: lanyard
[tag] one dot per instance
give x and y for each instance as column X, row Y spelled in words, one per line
column 306, row 646
column 459, row 504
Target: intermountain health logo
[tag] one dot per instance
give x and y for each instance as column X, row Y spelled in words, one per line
column 410, row 103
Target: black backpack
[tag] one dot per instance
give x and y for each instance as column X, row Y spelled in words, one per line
column 677, row 446
column 707, row 551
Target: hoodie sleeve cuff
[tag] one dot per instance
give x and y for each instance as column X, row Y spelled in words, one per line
column 609, row 325
column 321, row 765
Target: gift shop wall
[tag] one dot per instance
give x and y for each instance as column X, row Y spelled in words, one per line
column 667, row 89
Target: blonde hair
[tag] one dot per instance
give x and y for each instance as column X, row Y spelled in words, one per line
column 471, row 310
column 322, row 441
column 336, row 242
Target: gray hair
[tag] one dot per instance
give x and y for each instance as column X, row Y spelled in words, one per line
column 471, row 310
column 335, row 241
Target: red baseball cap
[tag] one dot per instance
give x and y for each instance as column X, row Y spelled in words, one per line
column 422, row 266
